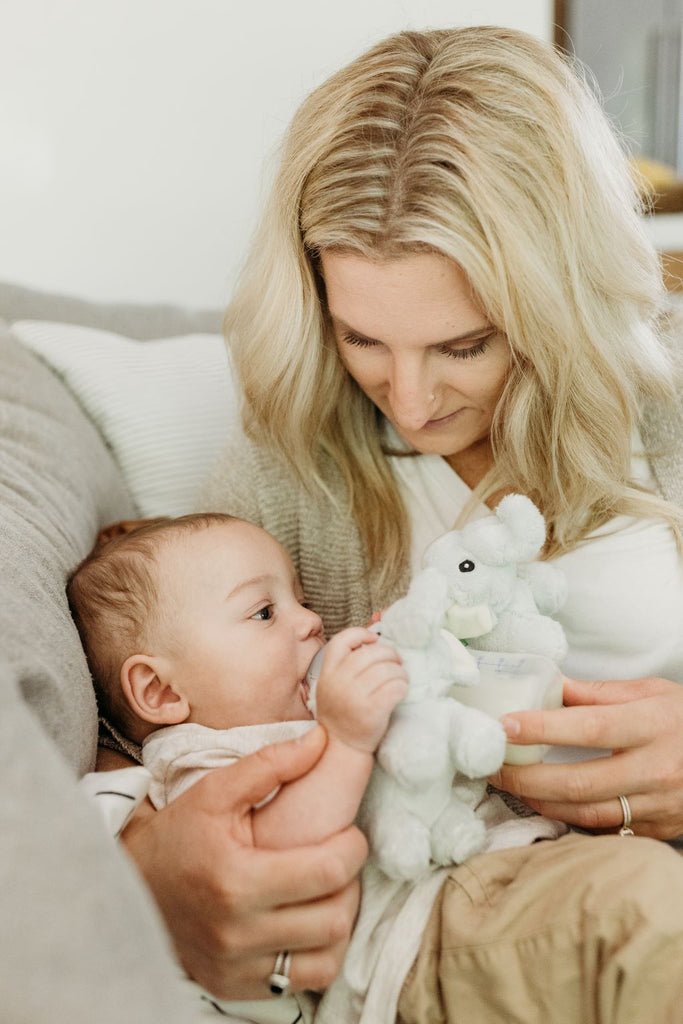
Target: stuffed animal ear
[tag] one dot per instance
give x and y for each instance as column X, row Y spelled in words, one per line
column 525, row 525
column 415, row 619
column 515, row 532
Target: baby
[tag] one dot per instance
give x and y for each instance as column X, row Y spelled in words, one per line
column 199, row 641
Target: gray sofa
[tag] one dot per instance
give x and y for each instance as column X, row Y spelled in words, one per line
column 80, row 938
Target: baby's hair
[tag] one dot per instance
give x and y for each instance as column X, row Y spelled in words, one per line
column 113, row 598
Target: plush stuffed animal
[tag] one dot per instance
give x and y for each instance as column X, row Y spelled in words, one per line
column 500, row 600
column 419, row 805
column 430, row 775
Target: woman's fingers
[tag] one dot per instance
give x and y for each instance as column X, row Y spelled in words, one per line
column 238, row 787
column 653, row 815
column 589, row 782
column 242, row 956
column 613, row 691
column 310, row 969
column 607, row 726
column 613, row 715
column 639, row 725
column 296, row 926
column 278, row 878
column 569, row 784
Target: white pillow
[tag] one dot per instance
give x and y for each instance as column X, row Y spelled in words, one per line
column 166, row 407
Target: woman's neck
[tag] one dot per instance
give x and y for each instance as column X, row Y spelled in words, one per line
column 473, row 463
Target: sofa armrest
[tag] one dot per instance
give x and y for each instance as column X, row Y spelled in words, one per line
column 134, row 320
column 80, row 937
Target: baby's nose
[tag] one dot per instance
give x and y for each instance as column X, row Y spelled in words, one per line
column 312, row 623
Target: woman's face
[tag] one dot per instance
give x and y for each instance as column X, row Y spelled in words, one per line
column 409, row 333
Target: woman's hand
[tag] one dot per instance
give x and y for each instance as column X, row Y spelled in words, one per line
column 229, row 906
column 641, row 722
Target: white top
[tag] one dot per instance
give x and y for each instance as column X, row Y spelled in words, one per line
column 623, row 616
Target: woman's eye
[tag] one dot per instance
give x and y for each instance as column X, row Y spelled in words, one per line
column 354, row 339
column 453, row 353
column 264, row 613
column 468, row 353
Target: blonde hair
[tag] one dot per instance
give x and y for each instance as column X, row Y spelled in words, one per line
column 485, row 145
column 114, row 601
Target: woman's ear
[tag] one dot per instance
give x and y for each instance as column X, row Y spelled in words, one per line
column 149, row 696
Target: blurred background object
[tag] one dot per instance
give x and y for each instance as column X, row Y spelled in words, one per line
column 633, row 49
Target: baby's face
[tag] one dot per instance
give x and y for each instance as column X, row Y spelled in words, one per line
column 240, row 639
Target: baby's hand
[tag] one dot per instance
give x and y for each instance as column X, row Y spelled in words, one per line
column 360, row 684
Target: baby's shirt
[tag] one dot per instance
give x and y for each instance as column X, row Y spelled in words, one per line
column 181, row 755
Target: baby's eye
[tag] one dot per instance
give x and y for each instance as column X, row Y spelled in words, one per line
column 264, row 613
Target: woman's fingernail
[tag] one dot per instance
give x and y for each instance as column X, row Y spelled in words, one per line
column 511, row 726
column 311, row 735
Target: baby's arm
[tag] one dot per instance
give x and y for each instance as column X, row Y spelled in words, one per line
column 360, row 684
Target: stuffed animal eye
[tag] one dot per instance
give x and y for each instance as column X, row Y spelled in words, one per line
column 466, row 566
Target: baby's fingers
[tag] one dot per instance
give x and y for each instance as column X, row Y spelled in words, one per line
column 357, row 638
column 385, row 674
column 392, row 692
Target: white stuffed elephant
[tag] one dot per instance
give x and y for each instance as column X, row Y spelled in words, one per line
column 431, row 765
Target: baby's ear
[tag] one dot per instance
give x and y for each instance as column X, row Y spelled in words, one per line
column 150, row 697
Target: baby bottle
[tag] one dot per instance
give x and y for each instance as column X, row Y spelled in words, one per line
column 513, row 682
column 312, row 676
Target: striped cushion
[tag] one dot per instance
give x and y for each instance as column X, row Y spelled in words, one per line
column 166, row 407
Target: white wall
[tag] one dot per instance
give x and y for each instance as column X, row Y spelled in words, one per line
column 133, row 132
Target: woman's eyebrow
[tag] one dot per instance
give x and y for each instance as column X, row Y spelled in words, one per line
column 472, row 335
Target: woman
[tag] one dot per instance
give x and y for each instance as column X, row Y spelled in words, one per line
column 451, row 298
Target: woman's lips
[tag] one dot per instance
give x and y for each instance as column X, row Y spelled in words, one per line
column 442, row 421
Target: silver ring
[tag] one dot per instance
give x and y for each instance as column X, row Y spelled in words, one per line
column 278, row 981
column 625, row 830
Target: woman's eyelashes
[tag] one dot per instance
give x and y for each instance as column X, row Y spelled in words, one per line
column 355, row 339
column 447, row 350
column 468, row 353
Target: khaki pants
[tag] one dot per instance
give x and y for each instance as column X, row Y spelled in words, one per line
column 583, row 930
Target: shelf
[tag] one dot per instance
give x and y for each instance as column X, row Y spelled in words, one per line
column 668, row 198
column 672, row 266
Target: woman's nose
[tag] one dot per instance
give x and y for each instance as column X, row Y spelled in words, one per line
column 411, row 397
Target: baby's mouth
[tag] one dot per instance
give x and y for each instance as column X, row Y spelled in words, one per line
column 305, row 691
